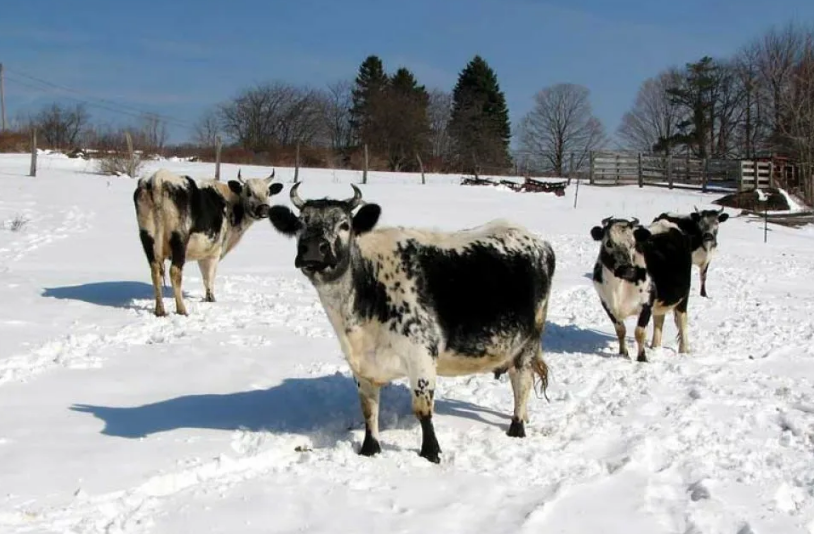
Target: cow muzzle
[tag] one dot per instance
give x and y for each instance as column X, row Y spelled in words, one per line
column 314, row 255
column 261, row 211
column 708, row 240
column 626, row 272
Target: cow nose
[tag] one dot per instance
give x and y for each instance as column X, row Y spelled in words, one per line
column 313, row 251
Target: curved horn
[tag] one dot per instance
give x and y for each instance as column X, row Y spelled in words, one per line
column 696, row 208
column 271, row 176
column 239, row 177
column 356, row 199
column 634, row 221
column 295, row 197
column 606, row 220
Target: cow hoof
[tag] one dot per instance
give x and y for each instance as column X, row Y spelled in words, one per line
column 182, row 312
column 517, row 429
column 209, row 298
column 642, row 358
column 160, row 313
column 370, row 446
column 432, row 456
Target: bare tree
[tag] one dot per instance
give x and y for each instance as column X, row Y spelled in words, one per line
column 653, row 115
column 337, row 99
column 154, row 134
column 273, row 114
column 560, row 124
column 439, row 111
column 61, row 127
column 797, row 112
column 207, row 129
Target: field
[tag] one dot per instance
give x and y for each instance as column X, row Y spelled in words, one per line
column 243, row 417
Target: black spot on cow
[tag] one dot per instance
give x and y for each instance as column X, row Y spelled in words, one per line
column 148, row 244
column 204, row 207
column 669, row 262
column 597, row 272
column 477, row 292
column 371, row 300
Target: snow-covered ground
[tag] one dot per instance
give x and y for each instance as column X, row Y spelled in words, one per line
column 242, row 417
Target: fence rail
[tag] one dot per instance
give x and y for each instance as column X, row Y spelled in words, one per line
column 619, row 168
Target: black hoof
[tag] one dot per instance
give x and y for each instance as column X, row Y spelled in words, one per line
column 517, row 429
column 370, row 446
column 642, row 357
column 431, row 455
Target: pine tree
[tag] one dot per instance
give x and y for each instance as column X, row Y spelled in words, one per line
column 479, row 125
column 371, row 82
column 406, row 121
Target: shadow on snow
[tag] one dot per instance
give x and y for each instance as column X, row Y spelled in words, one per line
column 119, row 294
column 571, row 338
column 326, row 406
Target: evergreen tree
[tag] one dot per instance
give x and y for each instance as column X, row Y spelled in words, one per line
column 406, row 122
column 371, row 82
column 479, row 125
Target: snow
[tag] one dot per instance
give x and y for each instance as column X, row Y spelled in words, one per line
column 242, row 417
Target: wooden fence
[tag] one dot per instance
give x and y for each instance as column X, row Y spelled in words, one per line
column 682, row 172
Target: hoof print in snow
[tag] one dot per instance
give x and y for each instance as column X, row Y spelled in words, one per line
column 699, row 492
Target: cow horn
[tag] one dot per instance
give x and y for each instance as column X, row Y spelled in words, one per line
column 634, row 221
column 271, row 176
column 239, row 177
column 295, row 197
column 356, row 199
column 606, row 220
column 696, row 208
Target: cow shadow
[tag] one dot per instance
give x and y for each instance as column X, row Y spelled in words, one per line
column 571, row 338
column 115, row 294
column 324, row 407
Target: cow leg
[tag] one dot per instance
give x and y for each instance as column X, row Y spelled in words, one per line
column 680, row 316
column 369, row 398
column 178, row 249
column 619, row 326
column 704, row 280
column 658, row 324
column 422, row 382
column 156, row 270
column 209, row 267
column 522, row 381
column 641, row 332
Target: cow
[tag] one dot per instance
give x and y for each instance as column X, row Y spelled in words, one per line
column 183, row 220
column 418, row 303
column 702, row 227
column 641, row 273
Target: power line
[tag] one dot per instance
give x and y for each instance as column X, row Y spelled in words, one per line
column 90, row 100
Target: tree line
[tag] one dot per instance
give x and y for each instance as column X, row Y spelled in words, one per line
column 758, row 102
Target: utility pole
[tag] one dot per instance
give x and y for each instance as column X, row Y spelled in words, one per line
column 2, row 99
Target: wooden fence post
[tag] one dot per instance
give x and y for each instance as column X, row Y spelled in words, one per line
column 421, row 167
column 570, row 168
column 591, row 168
column 364, row 172
column 131, row 163
column 670, row 171
column 641, row 171
column 33, row 170
column 218, row 146
column 705, row 176
column 297, row 163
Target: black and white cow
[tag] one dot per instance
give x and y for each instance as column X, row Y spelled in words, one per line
column 702, row 227
column 183, row 220
column 640, row 273
column 415, row 303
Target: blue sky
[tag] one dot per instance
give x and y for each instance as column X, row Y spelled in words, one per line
column 179, row 57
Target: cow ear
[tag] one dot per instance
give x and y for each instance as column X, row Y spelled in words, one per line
column 275, row 188
column 695, row 216
column 284, row 220
column 722, row 217
column 366, row 218
column 597, row 233
column 235, row 186
column 641, row 234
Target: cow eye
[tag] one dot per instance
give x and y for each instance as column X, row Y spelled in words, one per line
column 344, row 227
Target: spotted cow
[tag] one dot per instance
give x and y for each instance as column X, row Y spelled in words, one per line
column 639, row 273
column 702, row 228
column 416, row 303
column 183, row 220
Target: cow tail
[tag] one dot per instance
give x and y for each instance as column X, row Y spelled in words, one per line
column 539, row 367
